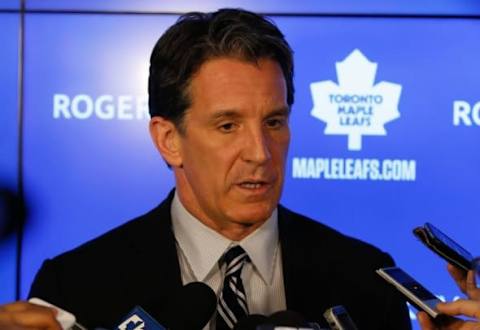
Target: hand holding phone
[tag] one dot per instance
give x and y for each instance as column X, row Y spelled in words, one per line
column 414, row 292
column 444, row 246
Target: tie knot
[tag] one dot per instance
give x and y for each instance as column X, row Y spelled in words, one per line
column 235, row 255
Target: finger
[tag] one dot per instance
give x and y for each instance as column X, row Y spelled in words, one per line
column 460, row 277
column 22, row 306
column 462, row 325
column 23, row 315
column 461, row 307
column 446, row 322
column 425, row 321
column 8, row 326
column 15, row 306
column 471, row 286
column 34, row 319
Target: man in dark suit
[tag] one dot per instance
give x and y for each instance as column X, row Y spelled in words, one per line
column 221, row 89
column 103, row 279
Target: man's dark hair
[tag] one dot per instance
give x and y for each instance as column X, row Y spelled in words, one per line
column 198, row 37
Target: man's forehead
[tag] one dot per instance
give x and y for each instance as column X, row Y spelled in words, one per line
column 216, row 66
column 224, row 77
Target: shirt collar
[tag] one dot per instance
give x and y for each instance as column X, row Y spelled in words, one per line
column 262, row 247
column 203, row 246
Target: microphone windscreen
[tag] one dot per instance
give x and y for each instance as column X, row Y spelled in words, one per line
column 287, row 319
column 190, row 309
column 251, row 322
column 12, row 212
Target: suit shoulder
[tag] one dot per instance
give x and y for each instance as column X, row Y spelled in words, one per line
column 116, row 269
column 111, row 244
column 316, row 235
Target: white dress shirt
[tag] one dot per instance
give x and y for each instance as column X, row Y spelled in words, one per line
column 200, row 248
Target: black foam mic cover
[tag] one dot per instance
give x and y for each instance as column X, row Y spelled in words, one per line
column 12, row 212
column 287, row 319
column 251, row 322
column 189, row 309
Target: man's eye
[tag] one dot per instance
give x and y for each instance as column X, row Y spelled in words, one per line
column 276, row 122
column 227, row 127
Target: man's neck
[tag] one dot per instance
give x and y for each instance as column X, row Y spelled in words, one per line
column 229, row 229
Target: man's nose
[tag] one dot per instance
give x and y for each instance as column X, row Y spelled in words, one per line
column 256, row 147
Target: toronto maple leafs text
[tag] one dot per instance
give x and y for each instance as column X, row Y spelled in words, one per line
column 353, row 169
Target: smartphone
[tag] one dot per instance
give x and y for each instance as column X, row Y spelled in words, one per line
column 444, row 246
column 415, row 293
column 339, row 319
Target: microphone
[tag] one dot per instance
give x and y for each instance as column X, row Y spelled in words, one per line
column 251, row 322
column 339, row 319
column 190, row 308
column 139, row 319
column 287, row 320
column 13, row 212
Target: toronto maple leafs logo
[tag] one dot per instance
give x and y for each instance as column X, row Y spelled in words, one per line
column 355, row 107
column 134, row 322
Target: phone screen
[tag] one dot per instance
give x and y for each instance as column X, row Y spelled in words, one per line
column 410, row 284
column 437, row 234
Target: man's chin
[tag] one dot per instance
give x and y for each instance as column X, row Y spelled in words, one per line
column 253, row 216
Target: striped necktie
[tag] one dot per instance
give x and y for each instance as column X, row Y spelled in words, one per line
column 232, row 304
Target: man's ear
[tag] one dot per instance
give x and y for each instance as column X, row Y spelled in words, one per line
column 166, row 138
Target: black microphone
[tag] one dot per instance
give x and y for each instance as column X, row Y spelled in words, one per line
column 251, row 322
column 339, row 319
column 189, row 309
column 12, row 212
column 288, row 319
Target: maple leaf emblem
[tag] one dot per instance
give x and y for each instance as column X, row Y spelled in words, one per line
column 355, row 106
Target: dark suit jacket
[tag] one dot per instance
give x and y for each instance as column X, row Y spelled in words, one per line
column 102, row 280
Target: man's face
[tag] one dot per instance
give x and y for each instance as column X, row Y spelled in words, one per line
column 235, row 144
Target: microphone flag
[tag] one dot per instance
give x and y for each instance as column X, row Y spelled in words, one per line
column 139, row 319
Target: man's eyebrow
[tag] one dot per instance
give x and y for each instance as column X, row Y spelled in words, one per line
column 224, row 114
column 283, row 111
column 232, row 114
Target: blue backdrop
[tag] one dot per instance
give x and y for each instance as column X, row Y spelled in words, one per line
column 385, row 128
column 429, row 7
column 9, row 23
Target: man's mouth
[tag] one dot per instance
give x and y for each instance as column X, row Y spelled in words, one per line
column 253, row 185
column 257, row 185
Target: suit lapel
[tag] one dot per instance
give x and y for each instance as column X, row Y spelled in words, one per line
column 306, row 277
column 154, row 253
